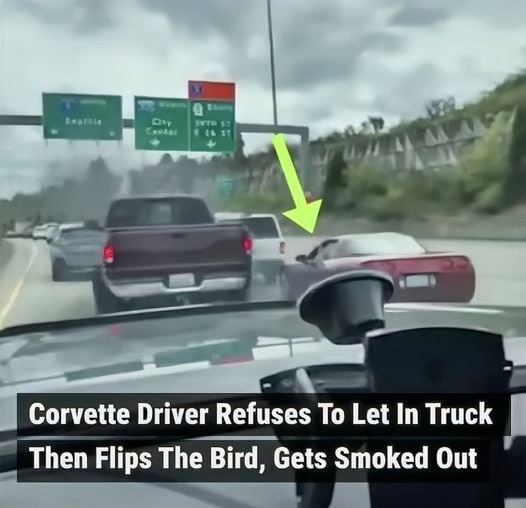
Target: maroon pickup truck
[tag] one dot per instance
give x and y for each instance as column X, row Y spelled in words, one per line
column 168, row 250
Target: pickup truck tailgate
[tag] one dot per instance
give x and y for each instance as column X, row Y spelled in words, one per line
column 162, row 251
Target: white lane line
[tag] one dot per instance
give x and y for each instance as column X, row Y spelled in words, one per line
column 4, row 312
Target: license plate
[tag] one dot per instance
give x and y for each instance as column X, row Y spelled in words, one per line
column 181, row 280
column 420, row 281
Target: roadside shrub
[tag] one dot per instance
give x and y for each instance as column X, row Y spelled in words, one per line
column 258, row 203
column 515, row 186
column 393, row 206
column 490, row 201
column 335, row 182
column 381, row 193
column 364, row 182
column 485, row 167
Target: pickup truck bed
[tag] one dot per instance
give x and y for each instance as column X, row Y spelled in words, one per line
column 166, row 250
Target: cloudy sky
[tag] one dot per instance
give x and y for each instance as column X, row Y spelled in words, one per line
column 337, row 61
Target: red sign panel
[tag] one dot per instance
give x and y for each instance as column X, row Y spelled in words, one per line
column 211, row 91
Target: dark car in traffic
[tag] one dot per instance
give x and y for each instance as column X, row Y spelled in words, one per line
column 75, row 251
column 169, row 249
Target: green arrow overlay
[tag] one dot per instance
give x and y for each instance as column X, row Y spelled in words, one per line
column 304, row 214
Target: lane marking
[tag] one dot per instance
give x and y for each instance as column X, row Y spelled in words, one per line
column 4, row 312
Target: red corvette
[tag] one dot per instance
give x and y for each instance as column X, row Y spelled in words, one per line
column 419, row 275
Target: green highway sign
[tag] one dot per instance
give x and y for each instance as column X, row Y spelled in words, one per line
column 225, row 187
column 212, row 126
column 82, row 116
column 161, row 124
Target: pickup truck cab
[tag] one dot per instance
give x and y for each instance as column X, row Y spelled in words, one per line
column 168, row 250
column 268, row 251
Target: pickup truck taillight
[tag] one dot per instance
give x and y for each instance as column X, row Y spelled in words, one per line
column 247, row 244
column 282, row 247
column 108, row 254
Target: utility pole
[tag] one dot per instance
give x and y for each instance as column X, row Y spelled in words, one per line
column 272, row 67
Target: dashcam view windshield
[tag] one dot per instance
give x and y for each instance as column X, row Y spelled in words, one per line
column 263, row 253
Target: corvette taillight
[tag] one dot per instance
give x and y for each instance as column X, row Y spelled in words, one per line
column 381, row 266
column 461, row 263
column 108, row 254
column 456, row 263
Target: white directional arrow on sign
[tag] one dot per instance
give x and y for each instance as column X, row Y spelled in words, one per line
column 112, row 133
column 53, row 131
column 211, row 144
column 154, row 142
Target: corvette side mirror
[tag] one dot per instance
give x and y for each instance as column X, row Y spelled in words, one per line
column 301, row 258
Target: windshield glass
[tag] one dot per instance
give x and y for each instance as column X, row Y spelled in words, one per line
column 432, row 153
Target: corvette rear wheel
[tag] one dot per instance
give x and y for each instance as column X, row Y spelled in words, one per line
column 105, row 301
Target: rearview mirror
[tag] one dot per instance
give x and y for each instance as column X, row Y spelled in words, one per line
column 345, row 306
column 301, row 258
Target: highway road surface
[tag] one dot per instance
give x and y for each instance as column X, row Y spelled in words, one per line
column 28, row 295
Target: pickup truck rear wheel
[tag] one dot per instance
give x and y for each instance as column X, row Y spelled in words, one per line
column 105, row 301
column 284, row 288
column 239, row 296
column 270, row 277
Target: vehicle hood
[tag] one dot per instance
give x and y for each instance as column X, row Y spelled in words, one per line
column 244, row 377
column 508, row 321
column 274, row 355
column 165, row 495
column 190, row 378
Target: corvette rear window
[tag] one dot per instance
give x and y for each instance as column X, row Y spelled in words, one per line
column 378, row 246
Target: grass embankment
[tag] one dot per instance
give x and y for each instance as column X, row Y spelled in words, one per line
column 482, row 197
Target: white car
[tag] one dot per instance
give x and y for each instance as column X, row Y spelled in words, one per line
column 50, row 230
column 55, row 231
column 268, row 251
column 40, row 232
